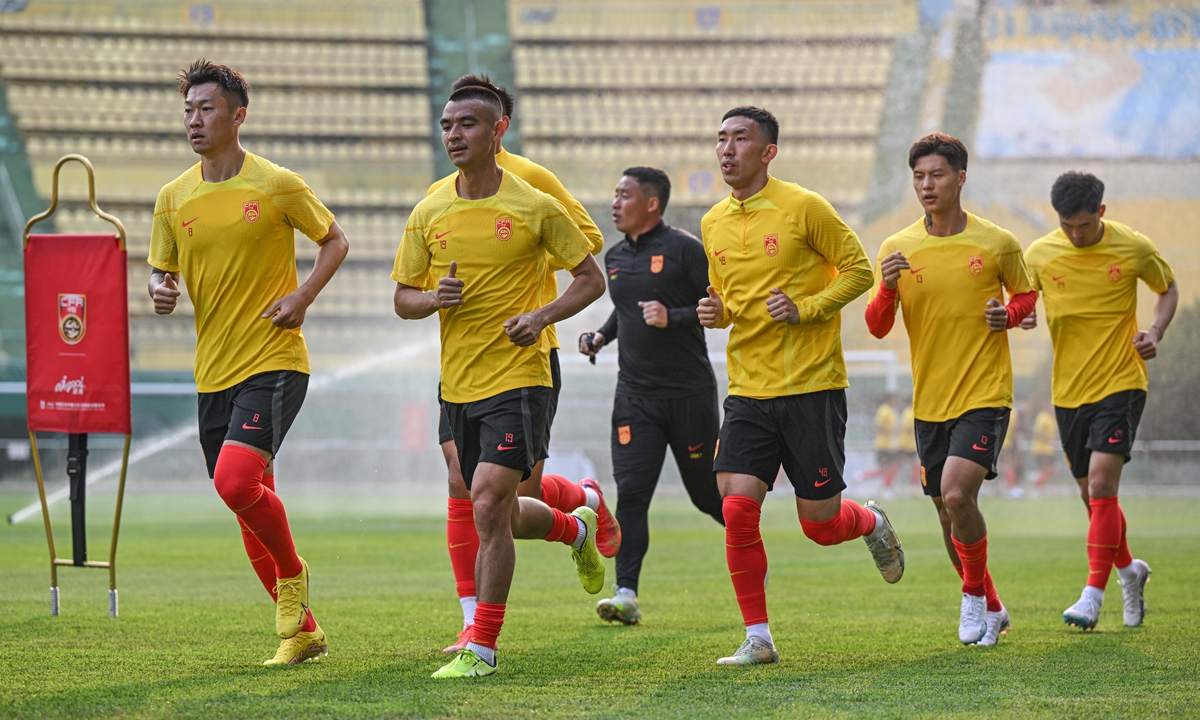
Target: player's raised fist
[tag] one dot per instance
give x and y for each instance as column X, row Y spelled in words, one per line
column 288, row 311
column 450, row 288
column 782, row 308
column 711, row 309
column 997, row 315
column 1146, row 343
column 890, row 267
column 523, row 330
column 654, row 313
column 166, row 294
column 1030, row 321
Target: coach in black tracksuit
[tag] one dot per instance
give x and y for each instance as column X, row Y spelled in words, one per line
column 666, row 391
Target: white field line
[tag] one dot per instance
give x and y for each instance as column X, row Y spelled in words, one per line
column 154, row 446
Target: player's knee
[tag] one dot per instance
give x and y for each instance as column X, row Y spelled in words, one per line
column 742, row 516
column 823, row 533
column 238, row 477
column 955, row 500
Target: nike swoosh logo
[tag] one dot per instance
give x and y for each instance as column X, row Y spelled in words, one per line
column 694, row 448
column 248, row 426
column 1114, row 441
column 459, row 545
column 189, row 222
column 439, row 237
column 914, row 271
column 823, row 482
column 510, row 447
column 718, row 253
column 1056, row 279
column 980, row 449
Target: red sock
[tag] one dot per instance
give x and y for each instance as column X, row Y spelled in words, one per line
column 1123, row 557
column 489, row 618
column 974, row 565
column 463, row 541
column 746, row 556
column 562, row 494
column 310, row 623
column 1103, row 539
column 239, row 482
column 853, row 521
column 260, row 559
column 564, row 530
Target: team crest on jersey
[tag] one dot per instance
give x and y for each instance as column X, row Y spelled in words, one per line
column 976, row 262
column 1114, row 273
column 771, row 243
column 250, row 211
column 624, row 435
column 656, row 263
column 72, row 317
column 503, row 229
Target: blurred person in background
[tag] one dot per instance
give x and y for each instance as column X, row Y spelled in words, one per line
column 1045, row 435
column 666, row 391
column 1088, row 271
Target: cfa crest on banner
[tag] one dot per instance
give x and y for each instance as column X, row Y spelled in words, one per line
column 72, row 317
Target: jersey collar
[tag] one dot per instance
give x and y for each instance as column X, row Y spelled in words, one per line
column 757, row 201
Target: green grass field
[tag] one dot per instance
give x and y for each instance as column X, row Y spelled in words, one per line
column 195, row 624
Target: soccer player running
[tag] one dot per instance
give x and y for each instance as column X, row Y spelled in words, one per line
column 227, row 225
column 949, row 270
column 782, row 264
column 666, row 390
column 488, row 235
column 1087, row 271
column 462, row 539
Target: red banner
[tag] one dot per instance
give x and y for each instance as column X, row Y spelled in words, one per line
column 77, row 334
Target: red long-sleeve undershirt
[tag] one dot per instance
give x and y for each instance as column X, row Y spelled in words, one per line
column 881, row 313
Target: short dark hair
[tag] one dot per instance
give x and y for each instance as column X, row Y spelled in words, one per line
column 231, row 82
column 1075, row 192
column 654, row 182
column 947, row 146
column 483, row 81
column 484, row 95
column 767, row 124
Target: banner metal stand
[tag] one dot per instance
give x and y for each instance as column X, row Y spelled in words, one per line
column 77, row 441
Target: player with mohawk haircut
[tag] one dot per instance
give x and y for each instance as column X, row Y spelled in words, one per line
column 462, row 539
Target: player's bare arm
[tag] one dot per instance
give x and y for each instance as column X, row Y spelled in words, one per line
column 164, row 289
column 890, row 267
column 711, row 309
column 288, row 311
column 1146, row 341
column 413, row 303
column 587, row 285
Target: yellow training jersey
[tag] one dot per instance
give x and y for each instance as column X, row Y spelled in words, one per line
column 1090, row 296
column 789, row 238
column 1045, row 432
column 542, row 179
column 234, row 243
column 885, row 427
column 908, row 432
column 958, row 364
column 502, row 245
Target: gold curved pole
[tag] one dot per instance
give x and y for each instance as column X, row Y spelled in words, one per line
column 91, row 173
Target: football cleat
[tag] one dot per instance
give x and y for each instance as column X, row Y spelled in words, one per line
column 300, row 647
column 588, row 562
column 464, row 637
column 608, row 530
column 291, row 609
column 465, row 664
column 622, row 607
column 998, row 624
column 886, row 549
column 972, row 620
column 755, row 651
column 1134, row 595
column 1083, row 614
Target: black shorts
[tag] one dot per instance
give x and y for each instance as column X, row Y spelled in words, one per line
column 505, row 429
column 805, row 434
column 976, row 435
column 445, row 436
column 257, row 411
column 1104, row 426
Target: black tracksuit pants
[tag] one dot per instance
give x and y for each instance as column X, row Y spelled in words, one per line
column 642, row 428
